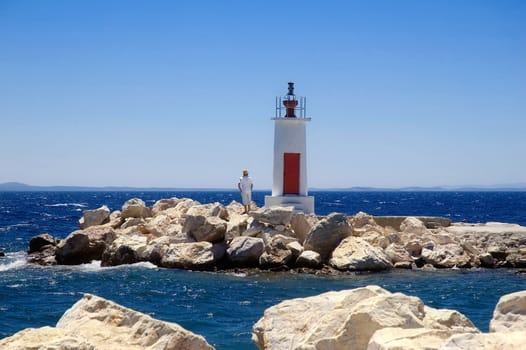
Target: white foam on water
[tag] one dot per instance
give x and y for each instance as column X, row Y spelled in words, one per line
column 95, row 266
column 13, row 261
column 9, row 227
column 80, row 205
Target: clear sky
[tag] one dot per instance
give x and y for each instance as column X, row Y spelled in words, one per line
column 181, row 93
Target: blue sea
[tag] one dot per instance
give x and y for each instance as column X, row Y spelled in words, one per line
column 223, row 307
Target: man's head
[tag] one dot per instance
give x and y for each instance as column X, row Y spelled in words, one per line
column 245, row 172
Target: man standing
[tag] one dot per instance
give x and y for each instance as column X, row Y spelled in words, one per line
column 245, row 186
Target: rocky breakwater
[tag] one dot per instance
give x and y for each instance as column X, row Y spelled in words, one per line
column 372, row 318
column 96, row 323
column 183, row 233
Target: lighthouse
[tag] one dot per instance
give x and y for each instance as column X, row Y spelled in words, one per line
column 289, row 186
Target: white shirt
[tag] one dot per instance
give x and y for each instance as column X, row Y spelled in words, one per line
column 245, row 182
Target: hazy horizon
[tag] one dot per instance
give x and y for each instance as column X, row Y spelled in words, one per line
column 181, row 94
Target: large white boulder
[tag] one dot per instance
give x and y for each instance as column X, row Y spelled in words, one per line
column 198, row 255
column 355, row 254
column 309, row 258
column 302, row 224
column 245, row 250
column 84, row 246
column 510, row 313
column 486, row 341
column 362, row 318
column 94, row 323
column 94, row 217
column 126, row 249
column 336, row 320
column 205, row 228
column 164, row 204
column 396, row 338
column 274, row 215
column 413, row 225
column 135, row 208
column 325, row 236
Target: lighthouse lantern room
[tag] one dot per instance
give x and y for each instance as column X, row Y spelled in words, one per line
column 289, row 186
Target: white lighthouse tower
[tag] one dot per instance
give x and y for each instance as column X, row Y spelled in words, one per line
column 289, row 187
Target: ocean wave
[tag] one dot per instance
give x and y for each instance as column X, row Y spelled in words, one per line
column 80, row 205
column 95, row 266
column 13, row 261
column 9, row 227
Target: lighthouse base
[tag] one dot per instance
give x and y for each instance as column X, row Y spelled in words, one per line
column 300, row 203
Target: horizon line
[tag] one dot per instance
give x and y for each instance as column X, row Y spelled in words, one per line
column 18, row 186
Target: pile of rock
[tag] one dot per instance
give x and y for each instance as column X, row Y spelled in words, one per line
column 374, row 319
column 183, row 233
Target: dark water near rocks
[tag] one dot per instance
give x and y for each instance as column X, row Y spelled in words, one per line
column 223, row 307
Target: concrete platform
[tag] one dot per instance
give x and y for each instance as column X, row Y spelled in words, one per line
column 395, row 221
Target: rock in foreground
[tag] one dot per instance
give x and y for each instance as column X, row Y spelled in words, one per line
column 371, row 318
column 94, row 323
column 345, row 320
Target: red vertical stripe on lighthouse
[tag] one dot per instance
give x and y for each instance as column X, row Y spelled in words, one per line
column 291, row 173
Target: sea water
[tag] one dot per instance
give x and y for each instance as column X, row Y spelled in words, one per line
column 224, row 307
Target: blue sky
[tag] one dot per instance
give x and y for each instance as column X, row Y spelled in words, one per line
column 180, row 93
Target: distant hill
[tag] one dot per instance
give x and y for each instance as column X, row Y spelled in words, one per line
column 17, row 186
column 501, row 188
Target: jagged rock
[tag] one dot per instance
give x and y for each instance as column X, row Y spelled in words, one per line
column 515, row 259
column 96, row 323
column 135, row 208
column 396, row 338
column 155, row 249
column 442, row 238
column 325, row 236
column 253, row 231
column 355, row 254
column 212, row 209
column 446, row 256
column 116, row 220
column 42, row 250
column 397, row 253
column 38, row 242
column 273, row 215
column 205, row 228
column 413, row 225
column 95, row 217
column 486, row 260
column 414, row 247
column 127, row 249
column 236, row 225
column 375, row 238
column 163, row 204
column 510, row 314
column 245, row 250
column 486, row 341
column 302, row 224
column 276, row 254
column 408, row 265
column 340, row 320
column 309, row 258
column 198, row 255
column 362, row 219
column 296, row 248
column 84, row 246
column 235, row 208
column 445, row 319
column 131, row 222
column 163, row 225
